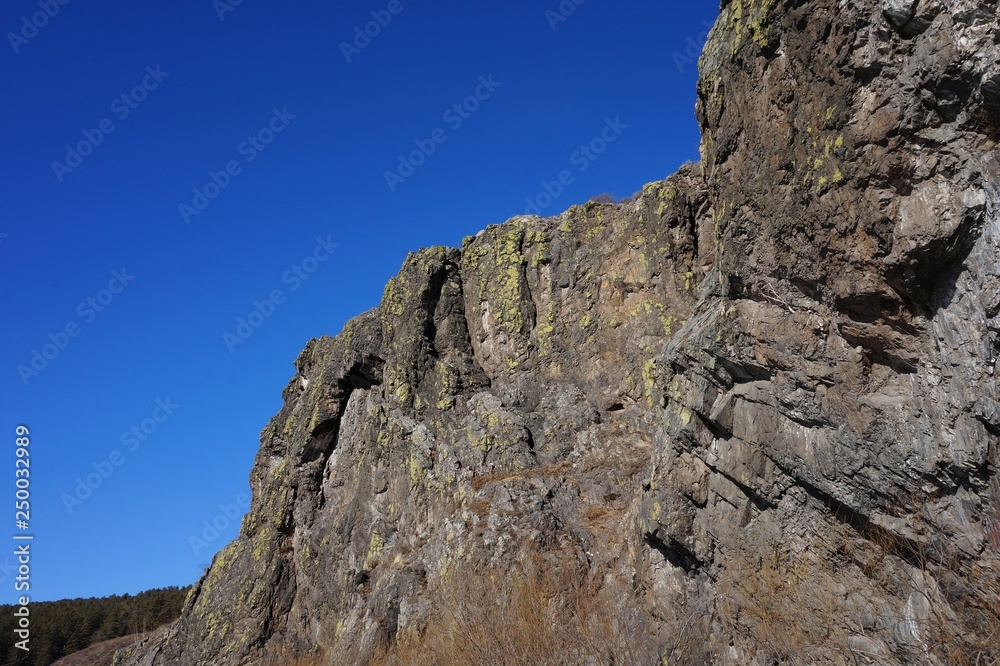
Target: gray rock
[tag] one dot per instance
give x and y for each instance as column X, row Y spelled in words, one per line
column 760, row 398
column 899, row 12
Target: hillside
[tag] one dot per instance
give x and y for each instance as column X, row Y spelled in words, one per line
column 60, row 628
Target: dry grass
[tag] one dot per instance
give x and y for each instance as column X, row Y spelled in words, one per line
column 543, row 610
column 992, row 519
column 481, row 481
column 960, row 593
column 597, row 514
column 789, row 605
column 313, row 660
column 786, row 607
column 99, row 654
column 781, row 607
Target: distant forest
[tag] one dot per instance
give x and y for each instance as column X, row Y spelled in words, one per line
column 59, row 628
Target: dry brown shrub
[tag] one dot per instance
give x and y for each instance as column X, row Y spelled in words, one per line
column 480, row 507
column 784, row 607
column 930, row 603
column 481, row 481
column 545, row 609
column 599, row 513
column 962, row 626
column 961, row 593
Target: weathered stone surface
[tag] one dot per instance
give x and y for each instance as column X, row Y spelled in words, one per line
column 763, row 392
column 496, row 392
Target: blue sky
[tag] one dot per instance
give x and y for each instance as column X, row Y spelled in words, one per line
column 168, row 173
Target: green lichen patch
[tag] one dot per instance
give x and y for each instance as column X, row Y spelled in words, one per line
column 748, row 20
column 498, row 261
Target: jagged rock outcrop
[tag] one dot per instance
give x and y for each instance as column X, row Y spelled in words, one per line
column 761, row 395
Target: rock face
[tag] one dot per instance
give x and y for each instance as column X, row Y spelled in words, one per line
column 760, row 397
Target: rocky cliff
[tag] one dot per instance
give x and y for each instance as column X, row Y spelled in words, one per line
column 752, row 412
